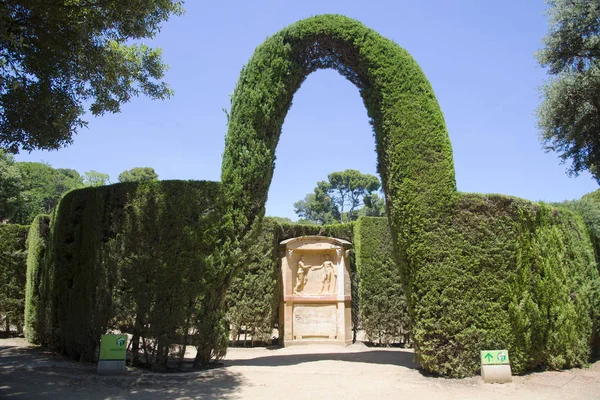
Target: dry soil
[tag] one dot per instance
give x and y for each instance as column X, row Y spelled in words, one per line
column 301, row 372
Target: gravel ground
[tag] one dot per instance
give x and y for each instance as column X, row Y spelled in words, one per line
column 300, row 372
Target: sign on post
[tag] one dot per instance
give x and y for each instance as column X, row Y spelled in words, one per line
column 113, row 352
column 495, row 366
column 494, row 357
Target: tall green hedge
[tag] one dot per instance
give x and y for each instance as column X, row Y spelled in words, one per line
column 13, row 267
column 139, row 258
column 383, row 307
column 413, row 147
column 36, row 294
column 504, row 273
column 589, row 209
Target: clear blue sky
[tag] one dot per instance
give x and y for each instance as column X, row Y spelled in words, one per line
column 478, row 56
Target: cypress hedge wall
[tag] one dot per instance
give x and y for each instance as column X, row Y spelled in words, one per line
column 589, row 208
column 141, row 259
column 504, row 273
column 36, row 292
column 138, row 258
column 13, row 267
column 383, row 308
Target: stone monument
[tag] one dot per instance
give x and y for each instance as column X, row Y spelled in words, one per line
column 316, row 302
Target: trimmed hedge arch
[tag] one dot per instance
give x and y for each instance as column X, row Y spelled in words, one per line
column 413, row 147
column 414, row 151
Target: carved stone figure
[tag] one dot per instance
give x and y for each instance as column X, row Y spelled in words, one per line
column 301, row 275
column 328, row 280
column 316, row 303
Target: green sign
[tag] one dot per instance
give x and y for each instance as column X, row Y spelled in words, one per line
column 494, row 357
column 113, row 348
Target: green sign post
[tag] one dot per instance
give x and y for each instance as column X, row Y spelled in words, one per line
column 113, row 348
column 494, row 357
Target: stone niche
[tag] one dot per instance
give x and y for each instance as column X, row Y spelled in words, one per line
column 316, row 304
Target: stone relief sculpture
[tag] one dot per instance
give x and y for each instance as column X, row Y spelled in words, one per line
column 328, row 280
column 316, row 300
column 301, row 275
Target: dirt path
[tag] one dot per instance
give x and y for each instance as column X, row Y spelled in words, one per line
column 302, row 372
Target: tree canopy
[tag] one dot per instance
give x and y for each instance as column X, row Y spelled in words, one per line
column 42, row 187
column 28, row 189
column 349, row 188
column 138, row 174
column 56, row 56
column 317, row 206
column 95, row 178
column 569, row 116
column 10, row 185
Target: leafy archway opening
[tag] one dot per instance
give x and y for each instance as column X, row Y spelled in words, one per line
column 414, row 152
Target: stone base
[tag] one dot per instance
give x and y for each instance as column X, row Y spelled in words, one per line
column 311, row 341
column 112, row 368
column 496, row 373
column 316, row 321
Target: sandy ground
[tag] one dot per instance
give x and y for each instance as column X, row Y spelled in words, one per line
column 301, row 372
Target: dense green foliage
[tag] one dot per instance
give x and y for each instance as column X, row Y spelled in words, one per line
column 593, row 196
column 374, row 206
column 504, row 273
column 589, row 209
column 59, row 55
column 478, row 271
column 13, row 267
column 139, row 174
column 41, row 189
column 139, row 258
column 383, row 308
column 569, row 116
column 36, row 304
column 349, row 188
column 253, row 297
column 10, row 185
column 414, row 151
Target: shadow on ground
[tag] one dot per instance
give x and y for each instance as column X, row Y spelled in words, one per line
column 398, row 358
column 13, row 357
column 32, row 373
column 24, row 384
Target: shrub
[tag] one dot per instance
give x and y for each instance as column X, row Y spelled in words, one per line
column 13, row 255
column 36, row 303
column 504, row 273
column 138, row 258
column 383, row 307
